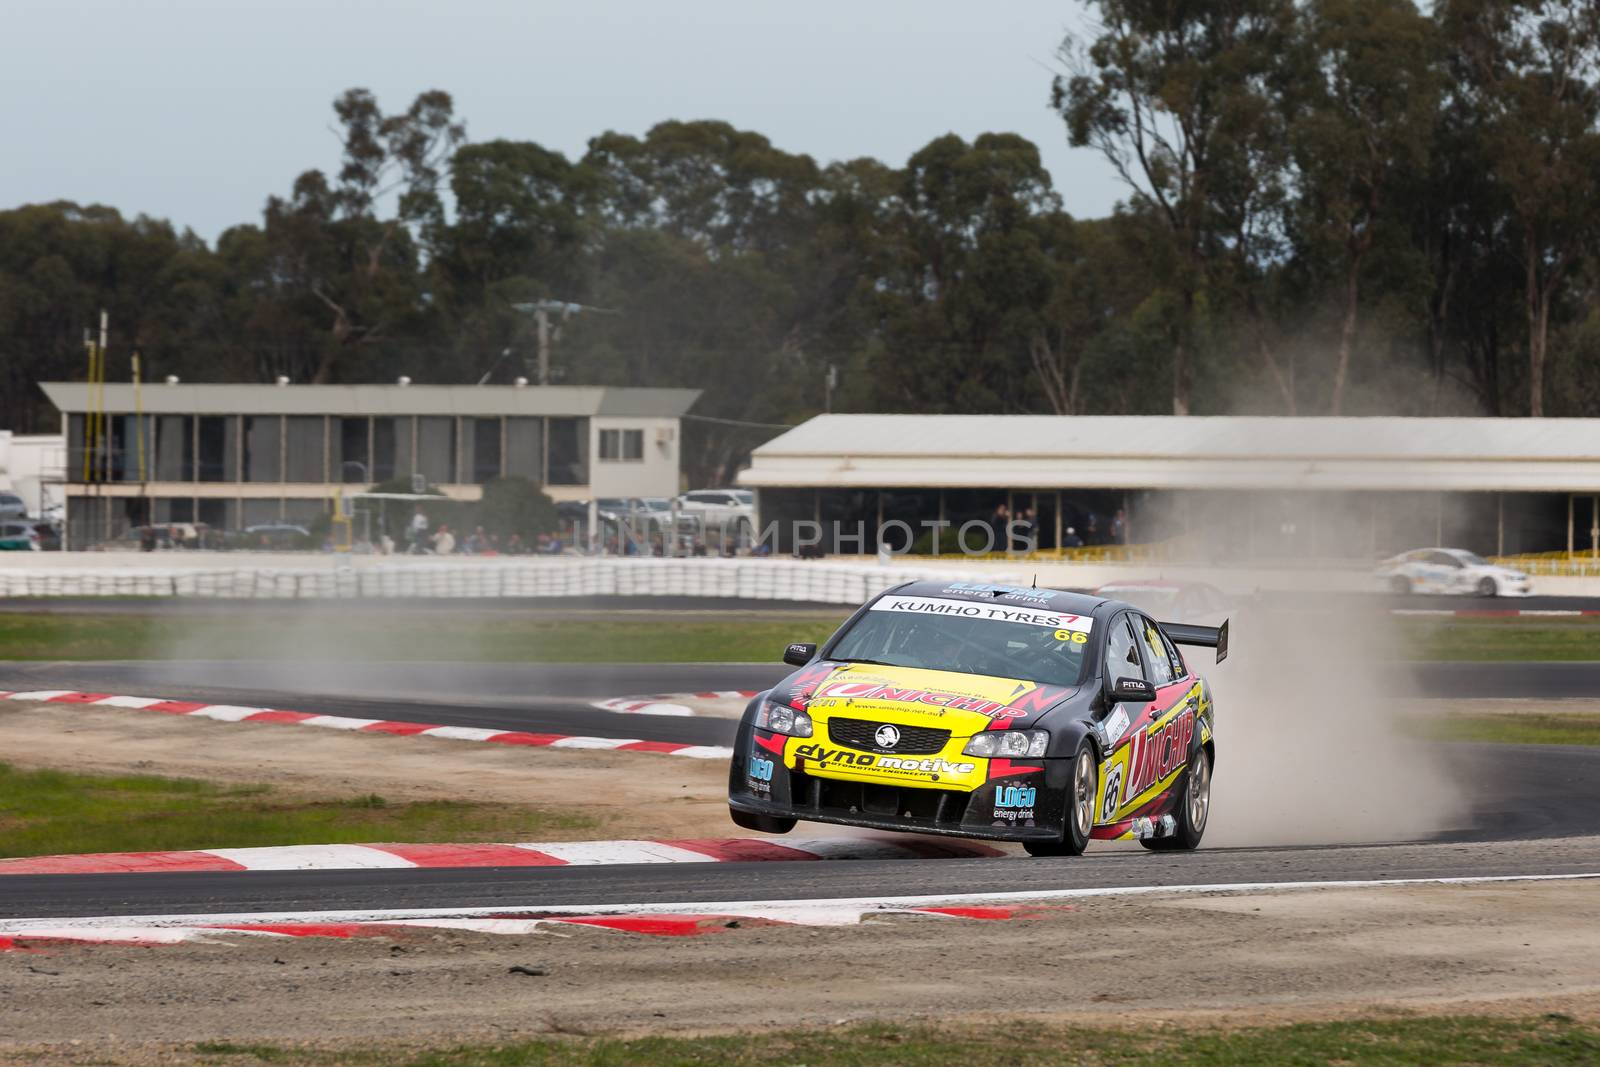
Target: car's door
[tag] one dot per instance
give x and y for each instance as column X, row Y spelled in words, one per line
column 1444, row 572
column 1122, row 660
column 1132, row 771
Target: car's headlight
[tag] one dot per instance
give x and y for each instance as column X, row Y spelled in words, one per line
column 1008, row 743
column 782, row 719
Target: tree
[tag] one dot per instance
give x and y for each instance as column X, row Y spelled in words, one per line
column 1179, row 98
column 516, row 506
column 1529, row 71
column 1367, row 107
column 330, row 243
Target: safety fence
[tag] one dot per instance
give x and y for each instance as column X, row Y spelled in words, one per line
column 1554, row 564
column 746, row 579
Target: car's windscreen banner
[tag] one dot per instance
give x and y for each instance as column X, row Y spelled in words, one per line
column 968, row 609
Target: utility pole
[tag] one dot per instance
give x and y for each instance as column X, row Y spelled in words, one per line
column 540, row 310
column 830, row 381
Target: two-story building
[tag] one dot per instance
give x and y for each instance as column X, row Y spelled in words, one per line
column 234, row 456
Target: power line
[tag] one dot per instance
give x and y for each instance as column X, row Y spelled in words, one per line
column 740, row 422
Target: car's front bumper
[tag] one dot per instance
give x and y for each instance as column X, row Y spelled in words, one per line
column 1025, row 803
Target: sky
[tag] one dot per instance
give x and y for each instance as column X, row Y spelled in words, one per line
column 198, row 110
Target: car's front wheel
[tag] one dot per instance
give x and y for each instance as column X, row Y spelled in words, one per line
column 767, row 824
column 1193, row 809
column 1078, row 819
column 1487, row 587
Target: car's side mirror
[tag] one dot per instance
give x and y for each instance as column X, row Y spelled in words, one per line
column 798, row 655
column 1133, row 690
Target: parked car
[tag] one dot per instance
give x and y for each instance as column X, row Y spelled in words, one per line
column 274, row 537
column 730, row 510
column 12, row 507
column 49, row 534
column 1450, row 570
column 17, row 535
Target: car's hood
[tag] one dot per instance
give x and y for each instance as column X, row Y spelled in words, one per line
column 964, row 704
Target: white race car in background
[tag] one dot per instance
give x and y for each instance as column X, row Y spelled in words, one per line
column 1450, row 570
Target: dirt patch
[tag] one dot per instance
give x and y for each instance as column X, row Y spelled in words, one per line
column 1243, row 960
column 645, row 795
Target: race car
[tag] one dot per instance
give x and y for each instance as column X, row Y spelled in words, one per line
column 988, row 711
column 1450, row 570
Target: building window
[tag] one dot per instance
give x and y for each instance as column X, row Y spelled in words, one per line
column 436, row 449
column 485, row 450
column 569, row 451
column 304, row 448
column 625, row 445
column 174, row 448
column 263, row 448
column 219, row 449
column 352, row 463
column 525, row 448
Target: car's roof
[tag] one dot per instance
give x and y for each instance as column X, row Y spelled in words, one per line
column 991, row 592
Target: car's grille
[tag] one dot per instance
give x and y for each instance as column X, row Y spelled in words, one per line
column 861, row 734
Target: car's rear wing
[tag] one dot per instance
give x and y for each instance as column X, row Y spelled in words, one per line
column 1205, row 636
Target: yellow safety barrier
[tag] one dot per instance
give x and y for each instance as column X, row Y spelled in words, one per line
column 1553, row 564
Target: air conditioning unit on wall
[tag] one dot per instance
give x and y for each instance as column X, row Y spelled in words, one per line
column 665, row 435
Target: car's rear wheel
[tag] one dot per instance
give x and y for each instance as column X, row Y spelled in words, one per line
column 1400, row 584
column 766, row 824
column 1194, row 808
column 1487, row 587
column 1078, row 819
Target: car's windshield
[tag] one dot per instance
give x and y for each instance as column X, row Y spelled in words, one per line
column 1472, row 559
column 1007, row 640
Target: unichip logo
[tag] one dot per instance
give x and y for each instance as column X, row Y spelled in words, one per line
column 887, row 736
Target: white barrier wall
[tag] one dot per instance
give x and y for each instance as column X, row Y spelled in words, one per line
column 749, row 579
column 842, row 581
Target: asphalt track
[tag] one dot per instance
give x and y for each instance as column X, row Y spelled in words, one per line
column 1523, row 797
column 556, row 698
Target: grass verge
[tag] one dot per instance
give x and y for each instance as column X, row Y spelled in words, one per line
column 1512, row 728
column 464, row 637
column 52, row 812
column 1551, row 1039
column 1463, row 640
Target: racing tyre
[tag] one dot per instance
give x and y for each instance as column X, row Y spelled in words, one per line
column 1079, row 816
column 767, row 824
column 1400, row 584
column 1193, row 809
column 1487, row 588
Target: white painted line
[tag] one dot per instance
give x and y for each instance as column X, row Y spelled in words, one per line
column 593, row 742
column 338, row 722
column 311, row 857
column 126, row 702
column 462, row 733
column 20, row 927
column 1546, row 611
column 45, row 694
column 657, row 708
column 226, row 712
column 705, row 752
column 585, row 853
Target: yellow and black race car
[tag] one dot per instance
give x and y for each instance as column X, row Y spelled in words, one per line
column 990, row 711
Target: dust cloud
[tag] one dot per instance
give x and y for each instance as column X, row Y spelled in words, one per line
column 1310, row 749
